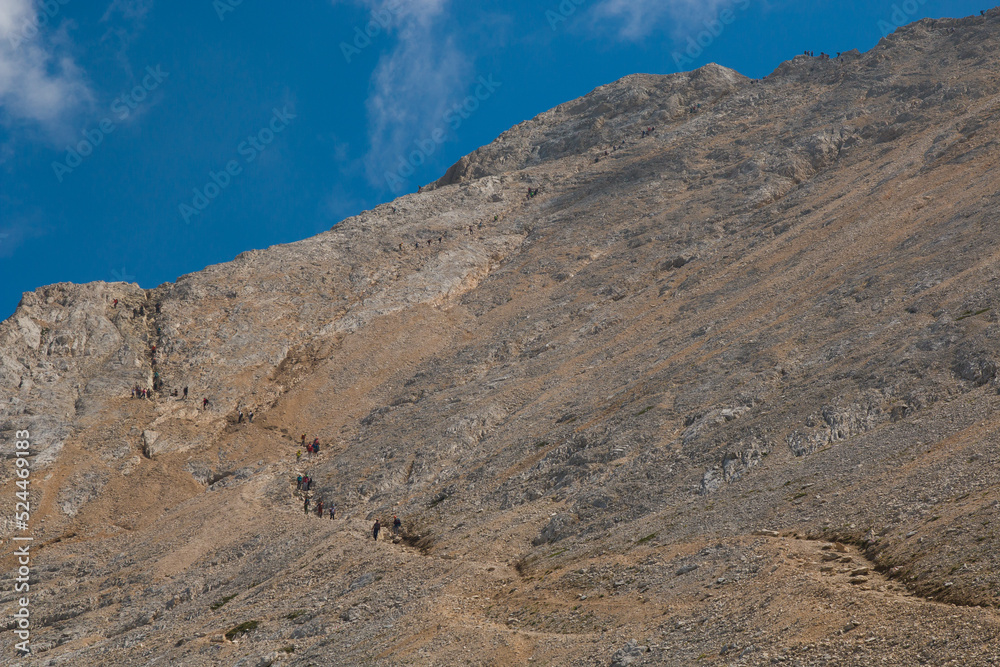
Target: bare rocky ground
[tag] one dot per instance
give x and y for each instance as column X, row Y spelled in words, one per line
column 722, row 396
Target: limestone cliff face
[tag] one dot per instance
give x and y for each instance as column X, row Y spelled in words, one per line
column 597, row 121
column 705, row 383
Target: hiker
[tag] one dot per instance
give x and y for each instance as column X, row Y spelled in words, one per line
column 400, row 247
column 303, row 439
column 396, row 525
column 298, row 455
column 377, row 527
column 416, row 245
column 250, row 416
column 157, row 307
column 319, row 508
column 115, row 304
column 316, row 446
column 133, row 392
column 298, row 483
column 429, row 241
column 331, row 510
column 305, row 505
column 204, row 404
column 239, row 420
column 185, row 393
column 309, row 449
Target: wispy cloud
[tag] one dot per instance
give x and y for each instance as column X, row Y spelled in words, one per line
column 635, row 20
column 39, row 80
column 415, row 83
column 131, row 20
column 18, row 228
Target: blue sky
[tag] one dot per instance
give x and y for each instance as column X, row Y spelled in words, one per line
column 142, row 140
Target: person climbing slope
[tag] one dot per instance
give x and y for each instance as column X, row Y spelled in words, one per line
column 377, row 527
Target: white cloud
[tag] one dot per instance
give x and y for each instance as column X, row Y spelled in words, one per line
column 38, row 81
column 636, row 19
column 127, row 28
column 423, row 75
column 134, row 10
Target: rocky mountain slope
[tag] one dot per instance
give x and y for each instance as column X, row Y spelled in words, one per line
column 720, row 394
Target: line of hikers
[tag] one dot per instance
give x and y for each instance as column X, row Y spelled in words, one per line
column 332, row 509
column 158, row 383
column 303, row 483
column 822, row 55
column 311, row 448
column 396, row 527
